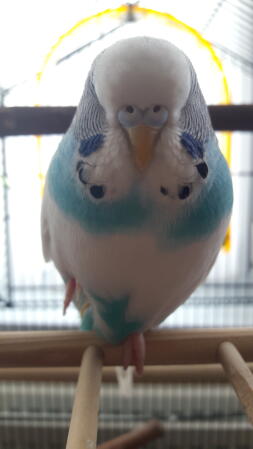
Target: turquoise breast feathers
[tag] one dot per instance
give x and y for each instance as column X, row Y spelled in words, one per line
column 130, row 213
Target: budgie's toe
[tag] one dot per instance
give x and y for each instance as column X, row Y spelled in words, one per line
column 134, row 349
column 70, row 290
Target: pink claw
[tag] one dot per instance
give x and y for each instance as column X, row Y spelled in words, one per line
column 70, row 290
column 134, row 350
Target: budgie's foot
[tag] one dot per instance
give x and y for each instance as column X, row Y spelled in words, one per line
column 134, row 349
column 70, row 290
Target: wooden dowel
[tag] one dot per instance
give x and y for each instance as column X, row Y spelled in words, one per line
column 83, row 425
column 152, row 374
column 136, row 438
column 239, row 375
column 164, row 347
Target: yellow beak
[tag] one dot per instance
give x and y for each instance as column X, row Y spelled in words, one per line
column 142, row 138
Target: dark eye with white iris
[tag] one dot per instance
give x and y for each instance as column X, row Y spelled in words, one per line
column 129, row 116
column 156, row 116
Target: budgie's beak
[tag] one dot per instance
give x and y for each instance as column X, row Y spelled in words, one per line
column 142, row 138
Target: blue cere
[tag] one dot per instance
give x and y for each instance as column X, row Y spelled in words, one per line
column 193, row 147
column 90, row 145
column 113, row 312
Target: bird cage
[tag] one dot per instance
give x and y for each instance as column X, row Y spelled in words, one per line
column 184, row 399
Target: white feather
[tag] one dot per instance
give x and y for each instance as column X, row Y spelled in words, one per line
column 121, row 80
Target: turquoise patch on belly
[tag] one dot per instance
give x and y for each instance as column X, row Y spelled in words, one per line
column 113, row 312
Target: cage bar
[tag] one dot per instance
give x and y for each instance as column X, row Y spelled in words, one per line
column 16, row 121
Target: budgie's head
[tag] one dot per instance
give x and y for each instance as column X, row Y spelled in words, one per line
column 142, row 84
column 144, row 113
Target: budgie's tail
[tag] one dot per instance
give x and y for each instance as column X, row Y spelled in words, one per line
column 133, row 347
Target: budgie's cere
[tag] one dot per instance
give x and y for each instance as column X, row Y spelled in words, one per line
column 138, row 196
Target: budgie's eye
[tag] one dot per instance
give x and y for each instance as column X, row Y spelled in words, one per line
column 129, row 116
column 156, row 116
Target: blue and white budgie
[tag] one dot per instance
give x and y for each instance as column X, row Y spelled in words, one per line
column 138, row 196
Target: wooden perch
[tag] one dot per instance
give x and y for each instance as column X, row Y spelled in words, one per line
column 136, row 438
column 164, row 347
column 239, row 375
column 152, row 374
column 83, row 424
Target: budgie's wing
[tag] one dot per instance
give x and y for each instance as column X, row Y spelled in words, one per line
column 86, row 148
column 196, row 150
column 52, row 220
column 78, row 295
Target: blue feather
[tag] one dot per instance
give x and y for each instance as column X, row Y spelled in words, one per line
column 92, row 144
column 113, row 312
column 193, row 147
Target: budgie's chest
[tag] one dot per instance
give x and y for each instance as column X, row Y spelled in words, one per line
column 104, row 195
column 137, row 249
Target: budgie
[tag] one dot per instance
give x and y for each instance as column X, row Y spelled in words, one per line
column 138, row 196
